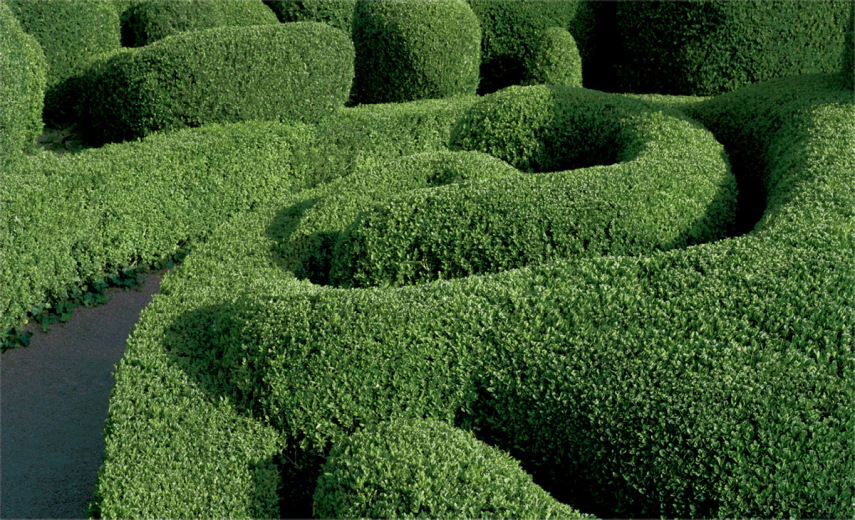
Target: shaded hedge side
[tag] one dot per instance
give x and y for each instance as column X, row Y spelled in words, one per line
column 23, row 69
column 706, row 47
column 291, row 72
column 147, row 21
column 338, row 13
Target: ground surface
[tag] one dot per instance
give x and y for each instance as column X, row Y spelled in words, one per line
column 53, row 405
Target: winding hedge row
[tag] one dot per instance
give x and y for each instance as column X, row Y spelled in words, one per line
column 298, row 72
column 147, row 21
column 23, row 69
column 705, row 381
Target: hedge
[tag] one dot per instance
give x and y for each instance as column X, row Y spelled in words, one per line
column 556, row 60
column 513, row 30
column 707, row 47
column 672, row 188
column 706, row 381
column 848, row 68
column 405, row 469
column 147, row 21
column 414, row 49
column 338, row 13
column 296, row 72
column 72, row 34
column 23, row 69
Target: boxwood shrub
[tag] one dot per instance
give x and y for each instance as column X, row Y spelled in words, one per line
column 706, row 47
column 848, row 69
column 672, row 187
column 555, row 60
column 338, row 13
column 298, row 72
column 147, row 21
column 415, row 49
column 72, row 34
column 709, row 381
column 23, row 69
column 405, row 469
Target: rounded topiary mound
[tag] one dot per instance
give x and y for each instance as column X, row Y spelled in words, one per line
column 405, row 469
column 299, row 71
column 708, row 47
column 150, row 20
column 415, row 49
column 71, row 34
column 338, row 13
column 556, row 60
column 671, row 188
column 23, row 71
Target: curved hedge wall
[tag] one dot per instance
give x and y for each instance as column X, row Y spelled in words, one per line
column 338, row 13
column 706, row 47
column 491, row 225
column 405, row 469
column 147, row 21
column 23, row 69
column 298, row 72
column 72, row 34
column 415, row 49
column 705, row 381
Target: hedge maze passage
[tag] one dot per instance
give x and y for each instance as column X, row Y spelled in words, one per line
column 464, row 283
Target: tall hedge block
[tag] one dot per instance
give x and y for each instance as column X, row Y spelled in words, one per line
column 22, row 84
column 151, row 20
column 299, row 71
column 415, row 49
column 338, row 13
column 71, row 33
column 707, row 47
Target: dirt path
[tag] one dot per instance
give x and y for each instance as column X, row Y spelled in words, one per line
column 53, row 405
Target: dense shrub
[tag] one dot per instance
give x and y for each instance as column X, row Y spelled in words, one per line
column 512, row 31
column 147, row 21
column 555, row 60
column 848, row 69
column 338, row 13
column 299, row 72
column 415, row 49
column 516, row 220
column 706, row 47
column 23, row 69
column 405, row 469
column 705, row 381
column 71, row 33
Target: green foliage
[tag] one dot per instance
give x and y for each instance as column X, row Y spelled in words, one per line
column 848, row 69
column 556, row 60
column 706, row 381
column 338, row 13
column 707, row 47
column 419, row 468
column 298, row 72
column 23, row 69
column 72, row 34
column 415, row 49
column 147, row 21
column 513, row 31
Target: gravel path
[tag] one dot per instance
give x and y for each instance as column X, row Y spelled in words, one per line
column 53, row 406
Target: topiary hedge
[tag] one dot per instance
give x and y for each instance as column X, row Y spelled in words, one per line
column 298, row 72
column 705, row 381
column 515, row 220
column 556, row 60
column 147, row 21
column 415, row 49
column 23, row 69
column 848, row 69
column 72, row 34
column 405, row 469
column 338, row 13
column 706, row 47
